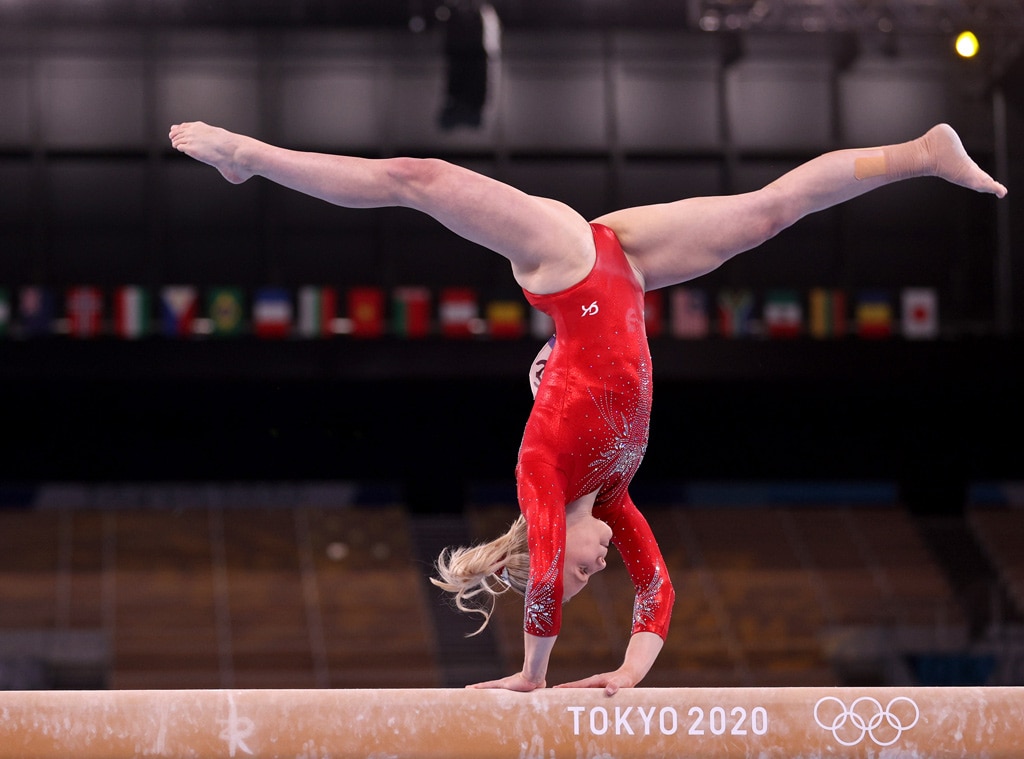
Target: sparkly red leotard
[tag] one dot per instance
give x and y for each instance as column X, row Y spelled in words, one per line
column 588, row 432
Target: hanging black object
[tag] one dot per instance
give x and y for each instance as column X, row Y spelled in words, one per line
column 467, row 59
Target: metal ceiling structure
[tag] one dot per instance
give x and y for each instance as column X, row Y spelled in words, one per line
column 999, row 23
column 1003, row 17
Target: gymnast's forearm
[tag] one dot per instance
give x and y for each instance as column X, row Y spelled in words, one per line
column 537, row 653
column 641, row 653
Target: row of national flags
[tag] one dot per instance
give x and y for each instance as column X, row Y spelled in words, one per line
column 820, row 313
column 315, row 312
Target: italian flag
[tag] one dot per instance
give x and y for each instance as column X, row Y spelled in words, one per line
column 131, row 312
column 318, row 307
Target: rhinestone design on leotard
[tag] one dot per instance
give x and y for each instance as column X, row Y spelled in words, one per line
column 540, row 598
column 621, row 455
column 646, row 605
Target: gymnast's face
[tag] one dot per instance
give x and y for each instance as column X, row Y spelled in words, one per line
column 586, row 546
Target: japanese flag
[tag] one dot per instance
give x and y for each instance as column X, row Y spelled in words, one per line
column 920, row 313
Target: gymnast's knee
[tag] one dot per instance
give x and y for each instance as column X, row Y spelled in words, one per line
column 413, row 178
column 773, row 213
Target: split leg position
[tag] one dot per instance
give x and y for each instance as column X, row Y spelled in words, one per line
column 551, row 247
column 548, row 244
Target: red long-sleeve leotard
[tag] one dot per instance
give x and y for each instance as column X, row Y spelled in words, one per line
column 588, row 432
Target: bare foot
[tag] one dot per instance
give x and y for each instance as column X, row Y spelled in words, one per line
column 214, row 146
column 954, row 165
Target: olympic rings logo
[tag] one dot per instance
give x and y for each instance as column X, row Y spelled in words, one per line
column 866, row 717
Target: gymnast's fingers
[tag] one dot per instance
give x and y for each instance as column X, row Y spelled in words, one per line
column 610, row 681
column 512, row 682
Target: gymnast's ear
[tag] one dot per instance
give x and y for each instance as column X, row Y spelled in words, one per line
column 538, row 365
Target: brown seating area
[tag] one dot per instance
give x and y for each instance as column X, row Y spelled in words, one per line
column 874, row 567
column 760, row 597
column 1001, row 533
column 198, row 597
column 28, row 569
column 324, row 596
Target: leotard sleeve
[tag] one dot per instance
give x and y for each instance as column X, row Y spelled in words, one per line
column 632, row 536
column 542, row 501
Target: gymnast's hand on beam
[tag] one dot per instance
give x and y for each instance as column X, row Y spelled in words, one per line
column 610, row 681
column 516, row 682
column 641, row 652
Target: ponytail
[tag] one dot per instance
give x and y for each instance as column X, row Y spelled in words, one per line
column 477, row 575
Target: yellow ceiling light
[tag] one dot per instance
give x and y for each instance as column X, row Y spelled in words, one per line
column 967, row 44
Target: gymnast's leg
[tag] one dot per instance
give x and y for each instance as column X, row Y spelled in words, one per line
column 549, row 245
column 675, row 242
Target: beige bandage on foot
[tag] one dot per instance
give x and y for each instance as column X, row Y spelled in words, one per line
column 872, row 166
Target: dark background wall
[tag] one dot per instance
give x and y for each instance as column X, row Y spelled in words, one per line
column 932, row 417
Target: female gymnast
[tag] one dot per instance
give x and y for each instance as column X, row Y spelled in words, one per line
column 587, row 431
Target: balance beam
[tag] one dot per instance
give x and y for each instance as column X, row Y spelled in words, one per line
column 698, row 723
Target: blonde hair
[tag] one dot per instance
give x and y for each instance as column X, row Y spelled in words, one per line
column 477, row 575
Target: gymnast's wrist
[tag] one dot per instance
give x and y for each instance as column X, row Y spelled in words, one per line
column 535, row 672
column 537, row 651
column 534, row 679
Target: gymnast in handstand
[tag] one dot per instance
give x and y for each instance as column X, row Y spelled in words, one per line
column 587, row 431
